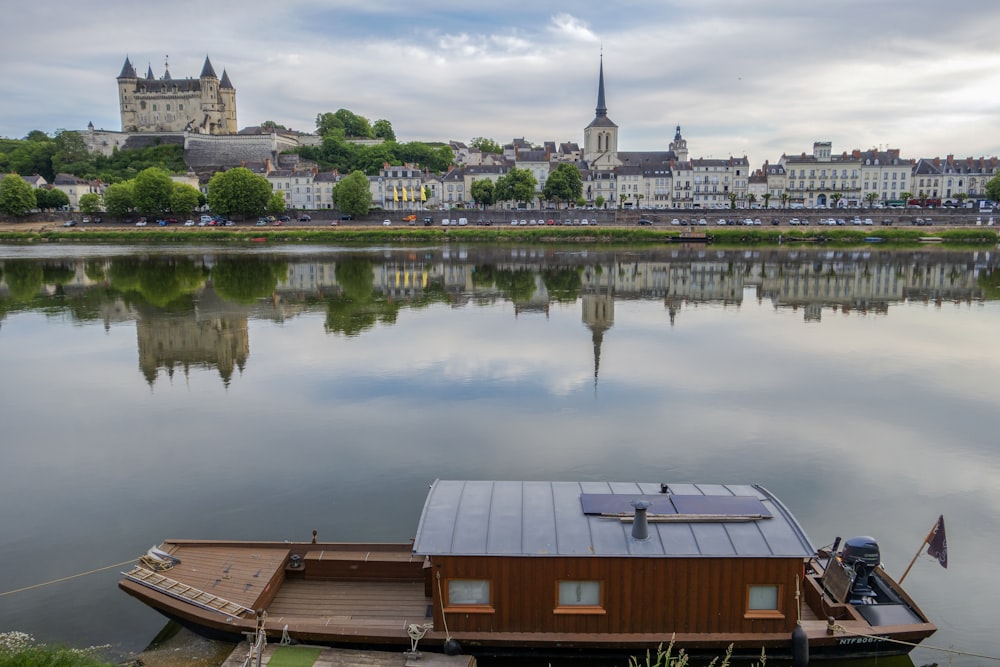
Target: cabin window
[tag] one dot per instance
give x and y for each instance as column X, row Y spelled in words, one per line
column 763, row 601
column 469, row 595
column 579, row 597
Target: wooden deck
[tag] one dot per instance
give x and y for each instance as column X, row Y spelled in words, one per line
column 238, row 575
column 361, row 603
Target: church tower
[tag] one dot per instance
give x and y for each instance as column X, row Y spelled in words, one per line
column 600, row 138
column 679, row 146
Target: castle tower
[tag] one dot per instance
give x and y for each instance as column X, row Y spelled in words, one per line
column 600, row 138
column 228, row 96
column 126, row 96
column 209, row 103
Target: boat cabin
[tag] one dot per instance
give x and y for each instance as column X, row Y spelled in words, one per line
column 598, row 557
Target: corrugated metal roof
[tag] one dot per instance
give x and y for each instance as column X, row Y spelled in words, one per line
column 493, row 518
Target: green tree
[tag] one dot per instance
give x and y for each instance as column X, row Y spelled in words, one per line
column 599, row 201
column 32, row 157
column 90, row 204
column 238, row 191
column 483, row 192
column 17, row 197
column 355, row 126
column 906, row 197
column 993, row 188
column 328, row 124
column 382, row 129
column 516, row 185
column 767, row 199
column 732, row 200
column 23, row 277
column 275, row 204
column 246, row 279
column 184, row 199
column 118, row 199
column 151, row 191
column 353, row 196
column 871, row 198
column 751, row 199
column 70, row 150
column 486, row 145
column 835, row 198
column 563, row 184
column 50, row 199
column 784, row 199
column 961, row 197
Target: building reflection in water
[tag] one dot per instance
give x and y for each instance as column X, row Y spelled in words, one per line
column 207, row 331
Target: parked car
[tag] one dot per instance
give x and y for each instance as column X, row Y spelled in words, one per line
column 643, row 222
column 140, row 223
column 189, row 223
column 304, row 218
column 262, row 223
column 285, row 218
column 69, row 223
column 346, row 217
column 386, row 223
column 428, row 221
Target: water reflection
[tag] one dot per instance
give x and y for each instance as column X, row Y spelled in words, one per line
column 192, row 310
column 290, row 388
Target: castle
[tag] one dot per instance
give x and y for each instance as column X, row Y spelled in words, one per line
column 206, row 105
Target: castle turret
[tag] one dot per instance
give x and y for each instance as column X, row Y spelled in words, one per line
column 227, row 93
column 126, row 96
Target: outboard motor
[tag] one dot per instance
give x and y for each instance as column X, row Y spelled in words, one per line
column 862, row 555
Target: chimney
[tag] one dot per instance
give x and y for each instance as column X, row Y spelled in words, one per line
column 640, row 526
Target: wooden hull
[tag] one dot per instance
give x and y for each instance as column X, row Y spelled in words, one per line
column 374, row 595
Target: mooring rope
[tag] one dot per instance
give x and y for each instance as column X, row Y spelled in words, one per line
column 444, row 619
column 941, row 649
column 72, row 576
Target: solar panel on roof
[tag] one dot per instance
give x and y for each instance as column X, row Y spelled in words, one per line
column 720, row 505
column 695, row 505
column 621, row 503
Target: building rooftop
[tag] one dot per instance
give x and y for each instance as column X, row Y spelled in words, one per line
column 487, row 518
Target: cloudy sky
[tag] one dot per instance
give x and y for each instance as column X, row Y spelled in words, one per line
column 741, row 78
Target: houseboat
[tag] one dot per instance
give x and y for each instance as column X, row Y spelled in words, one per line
column 549, row 569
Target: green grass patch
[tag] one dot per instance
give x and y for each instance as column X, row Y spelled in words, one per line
column 18, row 649
column 735, row 236
column 294, row 656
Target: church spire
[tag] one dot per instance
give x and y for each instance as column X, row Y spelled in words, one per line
column 602, row 107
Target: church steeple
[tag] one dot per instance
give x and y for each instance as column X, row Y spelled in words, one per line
column 600, row 138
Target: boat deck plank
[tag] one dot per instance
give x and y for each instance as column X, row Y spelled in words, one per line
column 237, row 575
column 363, row 602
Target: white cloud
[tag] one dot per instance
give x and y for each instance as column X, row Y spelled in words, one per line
column 740, row 78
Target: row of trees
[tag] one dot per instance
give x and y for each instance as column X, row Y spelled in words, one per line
column 564, row 184
column 66, row 152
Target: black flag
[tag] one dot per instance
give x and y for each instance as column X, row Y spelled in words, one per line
column 937, row 545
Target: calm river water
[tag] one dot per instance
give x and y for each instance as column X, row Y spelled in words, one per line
column 261, row 393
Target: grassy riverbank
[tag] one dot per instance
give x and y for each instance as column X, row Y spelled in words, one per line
column 738, row 236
